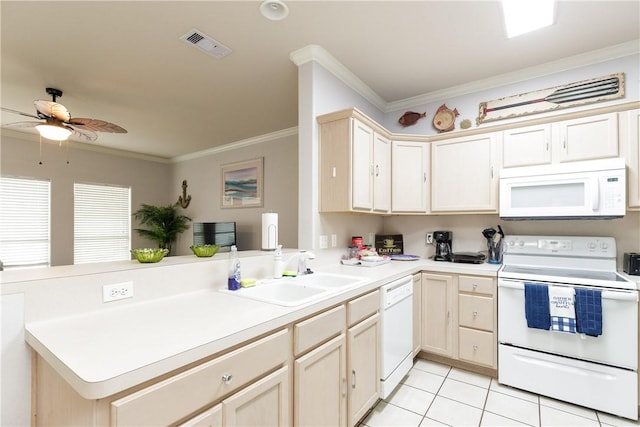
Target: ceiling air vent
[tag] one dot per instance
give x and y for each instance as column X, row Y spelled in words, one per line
column 206, row 44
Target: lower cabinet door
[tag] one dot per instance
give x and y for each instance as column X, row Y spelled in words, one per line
column 209, row 418
column 263, row 403
column 320, row 385
column 364, row 367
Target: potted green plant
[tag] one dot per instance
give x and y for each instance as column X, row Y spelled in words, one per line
column 164, row 222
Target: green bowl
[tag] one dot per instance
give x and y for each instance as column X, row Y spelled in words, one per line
column 149, row 254
column 204, row 250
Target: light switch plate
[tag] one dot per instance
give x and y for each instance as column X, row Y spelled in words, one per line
column 324, row 241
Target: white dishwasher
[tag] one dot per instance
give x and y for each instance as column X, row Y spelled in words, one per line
column 396, row 314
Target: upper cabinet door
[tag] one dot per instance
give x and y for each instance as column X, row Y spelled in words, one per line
column 527, row 146
column 362, row 166
column 410, row 177
column 464, row 174
column 381, row 173
column 630, row 149
column 587, row 138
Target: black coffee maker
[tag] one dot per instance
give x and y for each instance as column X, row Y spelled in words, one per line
column 442, row 241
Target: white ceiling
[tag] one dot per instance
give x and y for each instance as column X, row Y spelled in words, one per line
column 123, row 62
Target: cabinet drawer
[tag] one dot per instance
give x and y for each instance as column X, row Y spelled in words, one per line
column 476, row 312
column 170, row 400
column 363, row 307
column 477, row 285
column 477, row 347
column 311, row 332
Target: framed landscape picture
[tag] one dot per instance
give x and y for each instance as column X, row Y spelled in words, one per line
column 242, row 184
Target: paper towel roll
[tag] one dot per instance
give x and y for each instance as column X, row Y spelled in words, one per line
column 269, row 231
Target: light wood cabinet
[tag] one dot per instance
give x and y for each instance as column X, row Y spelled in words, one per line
column 630, row 148
column 355, row 164
column 247, row 383
column 464, row 174
column 320, row 385
column 381, row 173
column 410, row 177
column 363, row 367
column 459, row 318
column 584, row 138
column 209, row 418
column 265, row 402
column 201, row 386
column 438, row 313
column 417, row 313
column 477, row 320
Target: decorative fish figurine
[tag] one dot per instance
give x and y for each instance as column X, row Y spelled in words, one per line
column 410, row 118
column 444, row 119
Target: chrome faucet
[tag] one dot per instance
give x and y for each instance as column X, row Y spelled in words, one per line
column 301, row 257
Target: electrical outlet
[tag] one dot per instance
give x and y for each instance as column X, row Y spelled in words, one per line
column 117, row 291
column 334, row 240
column 324, row 241
column 429, row 239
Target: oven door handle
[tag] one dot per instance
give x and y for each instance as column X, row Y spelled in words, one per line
column 612, row 295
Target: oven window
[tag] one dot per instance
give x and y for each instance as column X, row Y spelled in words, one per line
column 552, row 195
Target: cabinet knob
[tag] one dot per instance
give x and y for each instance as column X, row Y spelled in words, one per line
column 226, row 378
column 475, row 347
column 475, row 286
column 475, row 313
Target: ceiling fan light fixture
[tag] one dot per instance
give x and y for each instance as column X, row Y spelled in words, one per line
column 53, row 132
column 274, row 10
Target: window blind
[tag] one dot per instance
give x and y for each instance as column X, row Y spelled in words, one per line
column 102, row 223
column 25, row 222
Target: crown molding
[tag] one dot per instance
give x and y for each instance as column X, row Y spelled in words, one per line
column 238, row 144
column 330, row 63
column 33, row 137
column 318, row 54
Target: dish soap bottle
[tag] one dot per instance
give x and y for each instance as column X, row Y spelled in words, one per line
column 278, row 265
column 233, row 284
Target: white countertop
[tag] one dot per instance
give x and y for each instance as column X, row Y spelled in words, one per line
column 105, row 352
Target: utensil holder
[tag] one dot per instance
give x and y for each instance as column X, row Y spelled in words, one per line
column 494, row 251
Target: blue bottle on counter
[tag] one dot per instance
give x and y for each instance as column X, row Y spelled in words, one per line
column 233, row 284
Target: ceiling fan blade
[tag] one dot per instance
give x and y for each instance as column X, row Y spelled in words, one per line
column 96, row 125
column 22, row 124
column 52, row 109
column 82, row 134
column 9, row 110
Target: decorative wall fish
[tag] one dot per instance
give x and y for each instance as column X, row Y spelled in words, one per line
column 410, row 118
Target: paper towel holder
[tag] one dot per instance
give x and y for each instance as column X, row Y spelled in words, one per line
column 269, row 231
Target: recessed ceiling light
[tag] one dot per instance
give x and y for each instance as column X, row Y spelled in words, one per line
column 275, row 10
column 524, row 16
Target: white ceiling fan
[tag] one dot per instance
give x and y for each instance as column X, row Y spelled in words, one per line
column 57, row 124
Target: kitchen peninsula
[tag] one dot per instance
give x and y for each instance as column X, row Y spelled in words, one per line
column 101, row 354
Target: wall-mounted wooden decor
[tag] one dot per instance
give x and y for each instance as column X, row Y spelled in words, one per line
column 540, row 101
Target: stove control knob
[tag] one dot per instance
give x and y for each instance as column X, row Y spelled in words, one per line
column 591, row 245
column 521, row 243
column 604, row 245
column 511, row 243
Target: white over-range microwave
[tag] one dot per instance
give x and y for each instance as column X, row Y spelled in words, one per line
column 593, row 189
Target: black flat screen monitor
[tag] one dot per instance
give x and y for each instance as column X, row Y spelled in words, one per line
column 222, row 234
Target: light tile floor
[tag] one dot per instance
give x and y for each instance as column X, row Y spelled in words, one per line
column 433, row 394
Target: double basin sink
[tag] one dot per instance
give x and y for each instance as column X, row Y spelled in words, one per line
column 293, row 291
